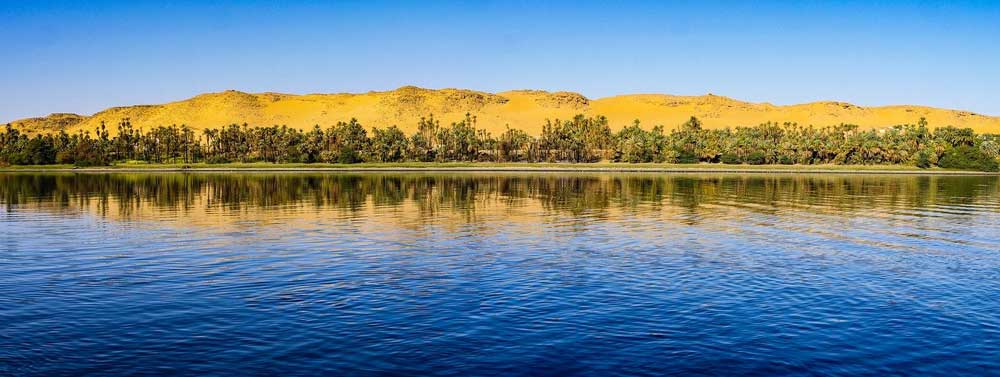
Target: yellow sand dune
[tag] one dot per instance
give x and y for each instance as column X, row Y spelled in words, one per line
column 523, row 109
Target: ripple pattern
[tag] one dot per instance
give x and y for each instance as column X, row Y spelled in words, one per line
column 510, row 274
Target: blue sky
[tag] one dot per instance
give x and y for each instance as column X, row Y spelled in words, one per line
column 85, row 56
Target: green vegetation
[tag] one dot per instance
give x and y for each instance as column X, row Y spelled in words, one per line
column 580, row 139
column 499, row 166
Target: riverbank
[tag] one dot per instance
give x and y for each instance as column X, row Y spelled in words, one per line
column 498, row 167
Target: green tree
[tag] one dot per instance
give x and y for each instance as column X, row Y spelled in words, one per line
column 388, row 145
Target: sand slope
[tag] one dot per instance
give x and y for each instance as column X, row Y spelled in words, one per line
column 523, row 109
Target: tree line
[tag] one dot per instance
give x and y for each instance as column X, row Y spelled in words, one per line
column 580, row 139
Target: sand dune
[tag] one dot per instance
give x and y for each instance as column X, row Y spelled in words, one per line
column 523, row 109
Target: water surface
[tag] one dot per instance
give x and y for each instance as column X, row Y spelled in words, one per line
column 486, row 274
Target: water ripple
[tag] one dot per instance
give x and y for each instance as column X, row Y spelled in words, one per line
column 479, row 274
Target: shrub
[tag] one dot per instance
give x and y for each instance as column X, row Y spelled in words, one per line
column 685, row 157
column 966, row 157
column 64, row 157
column 756, row 158
column 90, row 159
column 84, row 154
column 328, row 156
column 923, row 160
column 348, row 156
column 665, row 155
column 731, row 159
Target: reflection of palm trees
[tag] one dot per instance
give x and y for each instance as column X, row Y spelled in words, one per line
column 572, row 194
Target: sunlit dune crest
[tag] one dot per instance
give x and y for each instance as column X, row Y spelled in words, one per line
column 522, row 109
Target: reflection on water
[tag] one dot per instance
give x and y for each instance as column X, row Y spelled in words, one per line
column 131, row 194
column 498, row 273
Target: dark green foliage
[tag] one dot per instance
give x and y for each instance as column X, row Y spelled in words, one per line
column 686, row 157
column 581, row 139
column 689, row 141
column 350, row 136
column 923, row 160
column 634, row 145
column 388, row 145
column 514, row 145
column 423, row 142
column 955, row 136
column 87, row 153
column 460, row 142
column 730, row 159
column 35, row 151
column 756, row 158
column 966, row 157
column 348, row 156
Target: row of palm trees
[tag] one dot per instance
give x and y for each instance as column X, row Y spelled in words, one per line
column 580, row 139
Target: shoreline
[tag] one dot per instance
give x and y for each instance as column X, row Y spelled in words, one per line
column 498, row 167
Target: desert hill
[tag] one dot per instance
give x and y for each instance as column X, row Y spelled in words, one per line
column 523, row 109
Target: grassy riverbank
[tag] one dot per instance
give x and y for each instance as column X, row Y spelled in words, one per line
column 488, row 166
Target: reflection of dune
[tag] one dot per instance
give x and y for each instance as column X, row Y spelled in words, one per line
column 421, row 202
column 522, row 109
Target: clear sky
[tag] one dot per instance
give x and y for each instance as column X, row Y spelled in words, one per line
column 84, row 56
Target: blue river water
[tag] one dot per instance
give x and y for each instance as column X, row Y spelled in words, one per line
column 498, row 274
